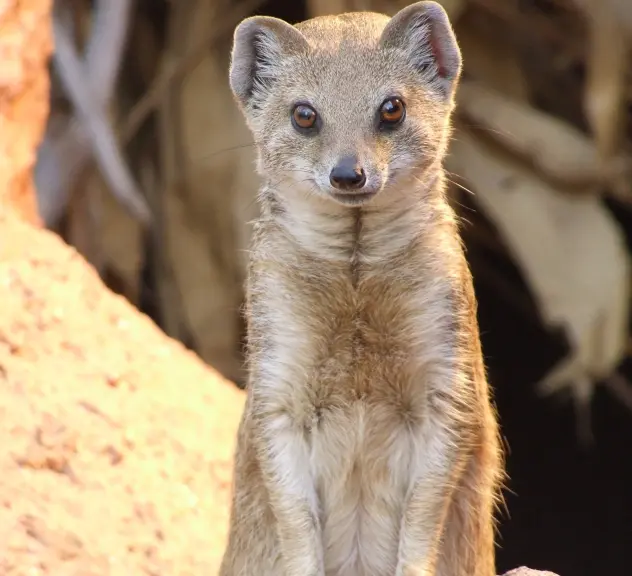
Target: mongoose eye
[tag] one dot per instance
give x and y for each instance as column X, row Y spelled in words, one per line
column 304, row 117
column 392, row 112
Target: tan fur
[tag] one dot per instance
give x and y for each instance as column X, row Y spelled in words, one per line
column 369, row 445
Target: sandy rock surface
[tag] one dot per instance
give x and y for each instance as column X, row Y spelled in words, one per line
column 25, row 46
column 527, row 572
column 117, row 443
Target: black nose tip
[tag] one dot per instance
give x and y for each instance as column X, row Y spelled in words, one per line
column 347, row 175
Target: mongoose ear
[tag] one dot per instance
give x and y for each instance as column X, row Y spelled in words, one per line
column 423, row 32
column 259, row 45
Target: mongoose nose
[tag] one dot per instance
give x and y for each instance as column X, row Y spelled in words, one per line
column 347, row 175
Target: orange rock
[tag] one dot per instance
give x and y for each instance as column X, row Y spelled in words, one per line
column 123, row 479
column 25, row 47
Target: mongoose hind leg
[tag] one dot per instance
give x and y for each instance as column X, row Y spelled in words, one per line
column 253, row 548
column 468, row 538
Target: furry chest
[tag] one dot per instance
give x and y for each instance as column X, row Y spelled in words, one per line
column 363, row 458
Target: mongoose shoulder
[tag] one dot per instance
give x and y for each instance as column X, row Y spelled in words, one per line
column 369, row 444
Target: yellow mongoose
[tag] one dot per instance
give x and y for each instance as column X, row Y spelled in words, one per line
column 369, row 445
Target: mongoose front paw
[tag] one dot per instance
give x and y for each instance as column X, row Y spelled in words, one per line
column 411, row 571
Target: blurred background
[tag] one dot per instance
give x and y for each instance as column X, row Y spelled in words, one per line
column 147, row 169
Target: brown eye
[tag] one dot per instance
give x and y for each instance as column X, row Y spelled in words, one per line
column 304, row 117
column 392, row 112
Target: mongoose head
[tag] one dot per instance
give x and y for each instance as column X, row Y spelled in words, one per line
column 346, row 108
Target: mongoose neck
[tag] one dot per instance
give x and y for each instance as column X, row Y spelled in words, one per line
column 366, row 235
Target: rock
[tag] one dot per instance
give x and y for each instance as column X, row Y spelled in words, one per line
column 25, row 46
column 523, row 571
column 117, row 442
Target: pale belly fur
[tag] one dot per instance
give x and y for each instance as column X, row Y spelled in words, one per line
column 365, row 454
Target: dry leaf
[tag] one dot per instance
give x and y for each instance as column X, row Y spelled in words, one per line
column 556, row 149
column 211, row 201
column 326, row 7
column 454, row 8
column 610, row 35
column 489, row 53
column 121, row 240
column 571, row 252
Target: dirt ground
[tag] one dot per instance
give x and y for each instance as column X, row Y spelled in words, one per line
column 117, row 442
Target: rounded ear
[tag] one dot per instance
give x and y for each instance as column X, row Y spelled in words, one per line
column 423, row 32
column 259, row 45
